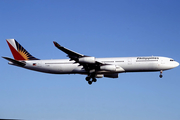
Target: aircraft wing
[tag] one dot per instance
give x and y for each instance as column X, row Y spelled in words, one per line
column 89, row 63
column 71, row 54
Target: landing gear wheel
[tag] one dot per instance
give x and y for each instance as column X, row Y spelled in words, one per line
column 94, row 79
column 89, row 82
column 88, row 78
column 161, row 74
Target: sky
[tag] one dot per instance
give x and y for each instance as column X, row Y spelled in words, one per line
column 99, row 28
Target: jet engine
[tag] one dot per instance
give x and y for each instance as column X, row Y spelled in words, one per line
column 89, row 60
column 108, row 68
column 99, row 75
column 112, row 68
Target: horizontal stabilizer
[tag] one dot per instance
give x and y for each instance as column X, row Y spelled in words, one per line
column 16, row 62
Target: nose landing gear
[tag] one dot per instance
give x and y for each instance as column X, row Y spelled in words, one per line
column 161, row 74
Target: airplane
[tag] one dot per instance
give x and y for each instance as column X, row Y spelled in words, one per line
column 88, row 65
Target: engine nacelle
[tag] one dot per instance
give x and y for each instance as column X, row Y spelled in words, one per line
column 114, row 75
column 90, row 60
column 99, row 76
column 108, row 68
column 112, row 68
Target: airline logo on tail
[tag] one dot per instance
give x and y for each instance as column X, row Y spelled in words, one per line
column 19, row 53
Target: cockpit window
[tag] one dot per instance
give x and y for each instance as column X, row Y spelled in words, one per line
column 171, row 60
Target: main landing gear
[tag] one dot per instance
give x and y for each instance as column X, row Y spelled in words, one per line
column 161, row 74
column 90, row 81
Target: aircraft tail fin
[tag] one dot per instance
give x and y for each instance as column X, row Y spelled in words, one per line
column 19, row 53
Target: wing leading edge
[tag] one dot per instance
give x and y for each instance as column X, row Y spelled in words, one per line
column 71, row 54
column 77, row 57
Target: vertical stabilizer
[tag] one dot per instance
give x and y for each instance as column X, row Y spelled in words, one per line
column 19, row 53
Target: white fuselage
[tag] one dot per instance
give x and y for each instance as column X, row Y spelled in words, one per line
column 123, row 64
column 87, row 65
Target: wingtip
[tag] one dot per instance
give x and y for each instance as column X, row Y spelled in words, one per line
column 3, row 57
column 56, row 44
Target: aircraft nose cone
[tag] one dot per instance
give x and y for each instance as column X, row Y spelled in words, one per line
column 176, row 64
